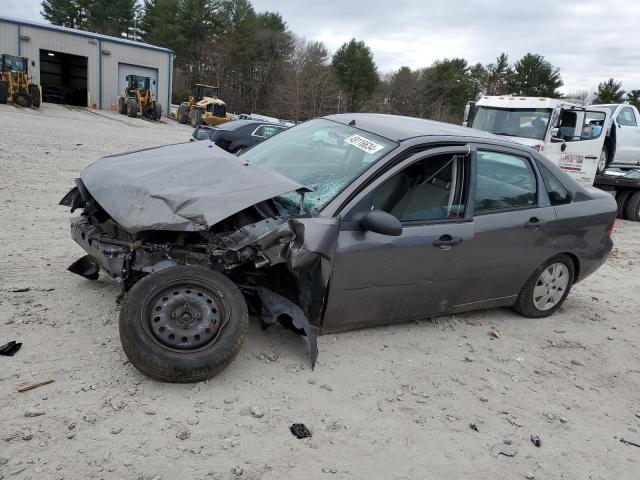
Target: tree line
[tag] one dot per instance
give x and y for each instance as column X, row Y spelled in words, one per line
column 260, row 65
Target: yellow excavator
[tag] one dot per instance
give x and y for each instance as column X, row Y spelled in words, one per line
column 203, row 106
column 137, row 97
column 15, row 84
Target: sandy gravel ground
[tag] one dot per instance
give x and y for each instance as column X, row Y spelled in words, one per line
column 386, row 403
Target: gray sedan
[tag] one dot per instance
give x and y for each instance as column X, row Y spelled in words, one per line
column 342, row 222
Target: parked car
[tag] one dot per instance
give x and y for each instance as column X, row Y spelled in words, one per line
column 623, row 135
column 238, row 135
column 398, row 219
column 202, row 132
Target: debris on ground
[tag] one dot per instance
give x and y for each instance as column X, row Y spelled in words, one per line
column 474, row 426
column 504, row 448
column 535, row 439
column 495, row 333
column 629, row 442
column 9, row 349
column 30, row 386
column 300, row 430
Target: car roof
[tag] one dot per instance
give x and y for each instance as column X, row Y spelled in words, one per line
column 398, row 128
column 237, row 124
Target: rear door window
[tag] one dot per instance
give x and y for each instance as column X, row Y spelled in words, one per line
column 558, row 195
column 504, row 182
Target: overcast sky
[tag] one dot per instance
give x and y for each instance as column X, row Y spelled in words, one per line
column 590, row 40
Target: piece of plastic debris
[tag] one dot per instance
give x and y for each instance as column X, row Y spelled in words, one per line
column 30, row 386
column 535, row 439
column 8, row 349
column 300, row 430
column 503, row 448
column 495, row 333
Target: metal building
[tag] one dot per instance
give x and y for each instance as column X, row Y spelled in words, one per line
column 84, row 68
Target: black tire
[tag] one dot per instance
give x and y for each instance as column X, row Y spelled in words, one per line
column 602, row 165
column 122, row 106
column 622, row 199
column 4, row 92
column 158, row 111
column 525, row 305
column 183, row 113
column 633, row 208
column 132, row 107
column 195, row 118
column 34, row 96
column 146, row 349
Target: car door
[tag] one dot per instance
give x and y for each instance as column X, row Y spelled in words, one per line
column 377, row 278
column 513, row 225
column 627, row 136
column 577, row 143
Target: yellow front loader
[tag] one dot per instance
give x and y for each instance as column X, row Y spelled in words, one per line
column 15, row 84
column 203, row 106
column 137, row 97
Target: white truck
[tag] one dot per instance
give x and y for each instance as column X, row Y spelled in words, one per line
column 597, row 145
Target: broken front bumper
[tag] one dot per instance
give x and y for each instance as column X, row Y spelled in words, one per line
column 105, row 252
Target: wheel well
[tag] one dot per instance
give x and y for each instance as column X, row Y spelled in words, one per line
column 576, row 265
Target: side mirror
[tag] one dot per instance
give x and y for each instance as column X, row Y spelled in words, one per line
column 381, row 222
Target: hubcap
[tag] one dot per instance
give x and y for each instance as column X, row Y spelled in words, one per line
column 184, row 317
column 602, row 163
column 551, row 286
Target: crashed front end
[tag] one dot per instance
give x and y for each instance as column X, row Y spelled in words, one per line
column 134, row 223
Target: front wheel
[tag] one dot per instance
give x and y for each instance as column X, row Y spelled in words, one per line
column 547, row 289
column 4, row 92
column 132, row 107
column 183, row 324
column 195, row 117
column 603, row 161
column 34, row 96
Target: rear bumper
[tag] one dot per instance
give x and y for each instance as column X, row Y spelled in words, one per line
column 590, row 264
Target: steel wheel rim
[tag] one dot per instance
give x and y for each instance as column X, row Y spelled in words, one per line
column 551, row 286
column 603, row 161
column 184, row 317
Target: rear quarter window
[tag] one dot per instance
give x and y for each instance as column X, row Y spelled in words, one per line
column 558, row 195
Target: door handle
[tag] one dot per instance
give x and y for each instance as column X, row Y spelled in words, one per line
column 534, row 223
column 445, row 242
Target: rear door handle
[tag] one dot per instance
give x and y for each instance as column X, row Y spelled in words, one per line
column 445, row 242
column 534, row 223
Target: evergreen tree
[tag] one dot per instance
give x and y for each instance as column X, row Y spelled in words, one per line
column 633, row 97
column 111, row 17
column 68, row 13
column 533, row 76
column 356, row 71
column 609, row 92
column 498, row 76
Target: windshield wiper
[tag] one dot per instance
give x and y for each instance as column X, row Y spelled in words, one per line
column 503, row 133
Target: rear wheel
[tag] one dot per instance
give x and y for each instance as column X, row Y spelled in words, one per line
column 158, row 111
column 183, row 113
column 195, row 117
column 622, row 199
column 547, row 289
column 603, row 161
column 34, row 96
column 183, row 324
column 633, row 208
column 132, row 107
column 4, row 92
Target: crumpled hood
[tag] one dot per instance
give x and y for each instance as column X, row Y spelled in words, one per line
column 183, row 187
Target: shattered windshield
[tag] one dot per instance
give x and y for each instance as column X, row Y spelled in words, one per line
column 513, row 122
column 323, row 155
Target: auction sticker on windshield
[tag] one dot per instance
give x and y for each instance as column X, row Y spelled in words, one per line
column 364, row 144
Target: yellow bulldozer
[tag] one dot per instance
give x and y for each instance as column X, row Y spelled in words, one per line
column 203, row 106
column 137, row 97
column 15, row 84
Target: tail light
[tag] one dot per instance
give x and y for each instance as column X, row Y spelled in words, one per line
column 611, row 227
